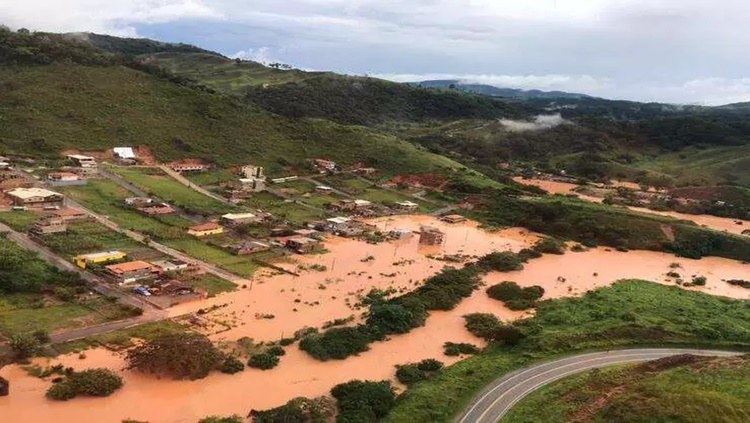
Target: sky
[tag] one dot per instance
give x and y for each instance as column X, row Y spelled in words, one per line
column 678, row 51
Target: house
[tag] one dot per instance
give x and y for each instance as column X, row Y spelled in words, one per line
column 124, row 153
column 50, row 225
column 247, row 248
column 430, row 235
column 285, row 179
column 131, row 271
column 253, row 184
column 82, row 161
column 335, row 223
column 306, row 232
column 324, row 166
column 253, row 172
column 364, row 171
column 236, row 219
column 453, row 218
column 173, row 287
column 351, row 231
column 172, row 265
column 64, row 179
column 206, row 229
column 138, row 201
column 407, row 206
column 4, row 165
column 35, row 198
column 400, row 234
column 71, row 215
column 323, row 189
column 157, row 210
column 188, row 166
column 351, row 205
column 303, row 245
column 84, row 260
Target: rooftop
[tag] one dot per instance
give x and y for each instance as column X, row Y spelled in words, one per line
column 80, row 157
column 210, row 226
column 26, row 193
column 68, row 212
column 102, row 254
column 339, row 219
column 130, row 266
column 407, row 204
column 303, row 240
column 238, row 216
column 124, row 152
column 362, row 202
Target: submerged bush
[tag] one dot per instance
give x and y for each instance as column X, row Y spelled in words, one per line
column 190, row 356
column 263, row 361
column 515, row 297
column 453, row 349
column 360, row 401
column 232, row 365
column 505, row 261
column 549, row 246
column 91, row 382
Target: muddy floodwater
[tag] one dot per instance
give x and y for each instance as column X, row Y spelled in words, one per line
column 724, row 224
column 352, row 268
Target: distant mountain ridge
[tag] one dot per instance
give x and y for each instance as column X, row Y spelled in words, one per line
column 491, row 90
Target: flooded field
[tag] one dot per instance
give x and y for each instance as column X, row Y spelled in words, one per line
column 329, row 293
column 713, row 222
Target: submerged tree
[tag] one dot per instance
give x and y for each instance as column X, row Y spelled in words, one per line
column 190, row 356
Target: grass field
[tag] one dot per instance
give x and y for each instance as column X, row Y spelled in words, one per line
column 19, row 220
column 278, row 207
column 627, row 313
column 124, row 337
column 690, row 390
column 166, row 188
column 89, row 237
column 212, row 177
column 369, row 191
column 213, row 285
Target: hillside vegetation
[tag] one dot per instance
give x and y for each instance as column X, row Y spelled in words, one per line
column 686, row 389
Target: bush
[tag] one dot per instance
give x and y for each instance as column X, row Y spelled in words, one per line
column 430, row 365
column 190, row 356
column 337, row 343
column 699, row 281
column 391, row 318
column 482, row 325
column 357, row 399
column 453, row 349
column 232, row 365
column 527, row 254
column 24, row 345
column 263, row 361
column 219, row 419
column 500, row 262
column 410, row 374
column 508, row 335
column 515, row 297
column 42, row 336
column 549, row 246
column 298, row 410
column 276, row 351
column 92, row 382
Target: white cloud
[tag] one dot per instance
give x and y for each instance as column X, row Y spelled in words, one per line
column 539, row 123
column 260, row 55
column 115, row 17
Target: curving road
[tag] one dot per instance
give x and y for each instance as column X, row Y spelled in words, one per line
column 495, row 400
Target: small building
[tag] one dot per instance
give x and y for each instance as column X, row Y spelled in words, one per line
column 71, row 215
column 172, row 265
column 351, row 205
column 400, row 234
column 247, row 248
column 335, row 223
column 351, row 231
column 253, row 184
column 50, row 225
column 306, row 232
column 206, row 229
column 188, row 166
column 303, row 245
column 173, row 287
column 138, row 201
column 324, row 165
column 124, row 153
column 323, row 189
column 253, row 172
column 65, row 179
column 453, row 218
column 407, row 206
column 236, row 219
column 157, row 210
column 364, row 171
column 131, row 271
column 84, row 260
column 284, row 179
column 430, row 235
column 35, row 198
column 4, row 165
column 82, row 161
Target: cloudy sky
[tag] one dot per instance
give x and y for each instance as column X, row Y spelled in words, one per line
column 682, row 51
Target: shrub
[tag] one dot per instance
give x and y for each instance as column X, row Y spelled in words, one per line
column 527, row 254
column 276, row 351
column 232, row 365
column 298, row 410
column 337, row 343
column 549, row 246
column 410, row 374
column 24, row 345
column 482, row 325
column 699, row 281
column 357, row 399
column 508, row 335
column 454, row 349
column 190, row 356
column 219, row 419
column 92, row 382
column 500, row 262
column 430, row 365
column 515, row 297
column 263, row 361
column 391, row 318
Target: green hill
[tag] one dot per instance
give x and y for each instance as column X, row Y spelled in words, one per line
column 60, row 94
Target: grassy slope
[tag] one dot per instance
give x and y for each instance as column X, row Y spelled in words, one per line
column 704, row 391
column 704, row 167
column 628, row 313
column 48, row 109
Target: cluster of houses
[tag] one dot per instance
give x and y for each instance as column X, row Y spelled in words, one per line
column 149, row 207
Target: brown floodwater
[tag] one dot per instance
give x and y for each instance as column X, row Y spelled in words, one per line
column 161, row 400
column 714, row 222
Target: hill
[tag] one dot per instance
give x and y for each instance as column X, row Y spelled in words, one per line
column 676, row 389
column 491, row 90
column 60, row 94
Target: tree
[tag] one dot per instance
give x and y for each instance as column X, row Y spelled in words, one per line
column 263, row 361
column 505, row 261
column 482, row 325
column 231, row 365
column 391, row 318
column 24, row 345
column 410, row 374
column 358, row 399
column 91, row 382
column 190, row 356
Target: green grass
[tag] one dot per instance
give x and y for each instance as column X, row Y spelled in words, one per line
column 19, row 220
column 278, row 207
column 703, row 166
column 627, row 313
column 241, row 265
column 213, row 177
column 124, row 337
column 89, row 237
column 369, row 191
column 706, row 390
column 213, row 285
column 166, row 188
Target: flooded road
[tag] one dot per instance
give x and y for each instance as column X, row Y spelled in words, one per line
column 332, row 293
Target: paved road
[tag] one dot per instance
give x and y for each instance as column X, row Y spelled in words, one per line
column 495, row 401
